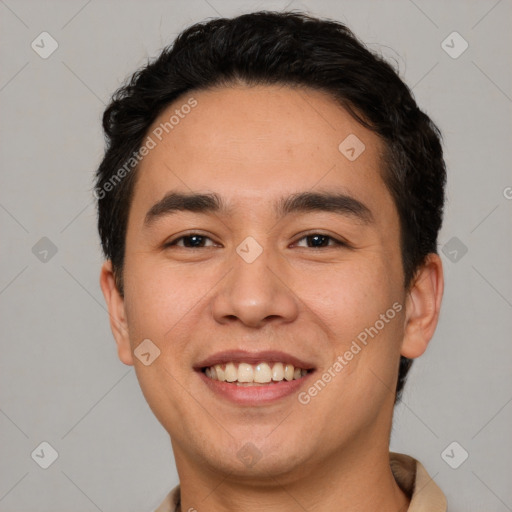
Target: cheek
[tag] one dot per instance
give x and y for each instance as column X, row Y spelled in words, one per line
column 162, row 304
column 361, row 313
column 162, row 300
column 348, row 297
column 151, row 297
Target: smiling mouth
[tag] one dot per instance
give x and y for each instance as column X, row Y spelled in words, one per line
column 261, row 374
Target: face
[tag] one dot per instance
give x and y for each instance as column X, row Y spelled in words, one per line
column 293, row 258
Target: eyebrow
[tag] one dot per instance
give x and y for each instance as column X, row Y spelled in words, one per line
column 207, row 203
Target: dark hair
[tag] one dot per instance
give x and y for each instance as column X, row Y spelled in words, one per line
column 292, row 49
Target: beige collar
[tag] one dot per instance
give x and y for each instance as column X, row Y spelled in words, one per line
column 409, row 474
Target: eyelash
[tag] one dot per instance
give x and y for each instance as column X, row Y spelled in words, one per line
column 337, row 243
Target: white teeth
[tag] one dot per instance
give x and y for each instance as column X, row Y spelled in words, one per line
column 245, row 373
column 221, row 374
column 288, row 372
column 261, row 373
column 231, row 372
column 278, row 372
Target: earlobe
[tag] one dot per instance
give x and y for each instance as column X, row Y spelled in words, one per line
column 115, row 305
column 422, row 308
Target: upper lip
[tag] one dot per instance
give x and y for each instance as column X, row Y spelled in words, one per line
column 244, row 356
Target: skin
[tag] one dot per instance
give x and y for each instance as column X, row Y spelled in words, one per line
column 252, row 146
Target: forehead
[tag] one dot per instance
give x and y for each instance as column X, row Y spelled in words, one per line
column 252, row 144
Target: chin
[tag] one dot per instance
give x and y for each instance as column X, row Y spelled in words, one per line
column 257, row 462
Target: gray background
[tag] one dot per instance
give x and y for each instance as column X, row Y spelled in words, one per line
column 61, row 381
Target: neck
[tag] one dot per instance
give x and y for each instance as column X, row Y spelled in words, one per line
column 353, row 479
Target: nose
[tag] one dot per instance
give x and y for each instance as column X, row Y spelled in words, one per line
column 255, row 293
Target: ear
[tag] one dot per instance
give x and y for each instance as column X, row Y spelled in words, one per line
column 422, row 307
column 115, row 305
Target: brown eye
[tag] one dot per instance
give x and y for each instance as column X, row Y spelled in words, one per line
column 191, row 241
column 319, row 240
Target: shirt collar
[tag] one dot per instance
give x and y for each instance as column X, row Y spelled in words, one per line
column 409, row 474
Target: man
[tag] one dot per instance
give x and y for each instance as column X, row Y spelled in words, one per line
column 269, row 204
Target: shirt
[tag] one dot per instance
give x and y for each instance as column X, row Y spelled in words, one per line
column 409, row 473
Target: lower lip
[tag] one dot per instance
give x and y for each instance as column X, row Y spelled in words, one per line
column 255, row 395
